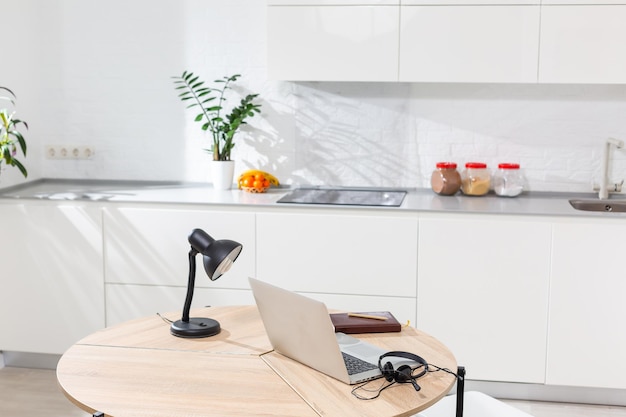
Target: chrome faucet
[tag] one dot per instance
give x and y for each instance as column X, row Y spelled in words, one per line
column 604, row 189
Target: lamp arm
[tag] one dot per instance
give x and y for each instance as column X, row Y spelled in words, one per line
column 190, row 285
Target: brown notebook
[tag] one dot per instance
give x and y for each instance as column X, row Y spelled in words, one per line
column 346, row 324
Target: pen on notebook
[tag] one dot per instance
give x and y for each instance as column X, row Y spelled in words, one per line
column 367, row 316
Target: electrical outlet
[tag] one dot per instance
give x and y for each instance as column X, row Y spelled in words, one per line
column 69, row 152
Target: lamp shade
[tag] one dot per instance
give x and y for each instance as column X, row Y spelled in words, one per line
column 217, row 255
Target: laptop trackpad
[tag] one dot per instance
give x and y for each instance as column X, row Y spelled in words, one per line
column 358, row 348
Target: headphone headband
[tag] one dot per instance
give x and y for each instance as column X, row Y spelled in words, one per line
column 405, row 355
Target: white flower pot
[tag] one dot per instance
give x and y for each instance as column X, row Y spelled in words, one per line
column 222, row 173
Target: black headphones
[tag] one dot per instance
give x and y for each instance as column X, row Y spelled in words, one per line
column 404, row 373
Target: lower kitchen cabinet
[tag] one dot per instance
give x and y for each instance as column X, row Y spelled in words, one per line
column 524, row 299
column 148, row 246
column 342, row 253
column 483, row 284
column 587, row 340
column 126, row 301
column 52, row 276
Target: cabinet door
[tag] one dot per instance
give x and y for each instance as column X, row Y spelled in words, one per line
column 342, row 254
column 483, row 291
column 469, row 43
column 126, row 302
column 149, row 246
column 469, row 2
column 52, row 276
column 330, row 2
column 587, row 340
column 146, row 249
column 333, row 43
column 583, row 44
column 581, row 2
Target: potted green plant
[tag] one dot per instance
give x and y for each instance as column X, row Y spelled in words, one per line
column 223, row 125
column 10, row 137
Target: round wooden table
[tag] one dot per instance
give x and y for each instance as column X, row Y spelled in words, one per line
column 138, row 369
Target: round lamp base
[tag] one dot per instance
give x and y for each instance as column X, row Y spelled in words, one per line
column 195, row 327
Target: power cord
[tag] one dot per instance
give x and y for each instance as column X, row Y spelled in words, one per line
column 165, row 319
column 377, row 391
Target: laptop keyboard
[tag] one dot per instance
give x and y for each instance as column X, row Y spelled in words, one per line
column 356, row 365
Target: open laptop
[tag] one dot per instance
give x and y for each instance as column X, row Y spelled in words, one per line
column 300, row 328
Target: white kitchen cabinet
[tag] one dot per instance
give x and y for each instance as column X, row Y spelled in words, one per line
column 468, row 2
column 333, row 43
column 331, row 2
column 587, row 340
column 133, row 301
column 52, row 277
column 403, row 308
column 469, row 43
column 345, row 253
column 583, row 44
column 581, row 2
column 483, row 286
column 149, row 247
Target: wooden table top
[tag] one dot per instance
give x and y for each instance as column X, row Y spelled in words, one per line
column 138, row 369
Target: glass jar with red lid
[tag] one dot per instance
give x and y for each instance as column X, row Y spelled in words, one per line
column 445, row 179
column 475, row 179
column 508, row 180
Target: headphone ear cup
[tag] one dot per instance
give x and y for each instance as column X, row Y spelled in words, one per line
column 388, row 371
column 403, row 374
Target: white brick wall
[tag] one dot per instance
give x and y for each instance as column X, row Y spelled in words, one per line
column 98, row 73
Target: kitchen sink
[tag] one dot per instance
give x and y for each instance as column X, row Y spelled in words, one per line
column 345, row 197
column 618, row 206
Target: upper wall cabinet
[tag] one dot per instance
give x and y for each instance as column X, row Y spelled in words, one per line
column 500, row 41
column 469, row 43
column 582, row 43
column 333, row 43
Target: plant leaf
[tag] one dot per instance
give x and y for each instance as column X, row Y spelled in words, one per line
column 19, row 166
column 20, row 140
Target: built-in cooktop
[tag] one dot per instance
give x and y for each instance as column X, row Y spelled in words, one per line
column 345, row 197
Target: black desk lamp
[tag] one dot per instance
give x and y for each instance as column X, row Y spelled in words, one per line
column 218, row 256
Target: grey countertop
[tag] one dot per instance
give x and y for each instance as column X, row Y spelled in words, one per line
column 417, row 200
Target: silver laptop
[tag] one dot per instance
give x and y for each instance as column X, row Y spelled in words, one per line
column 300, row 328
